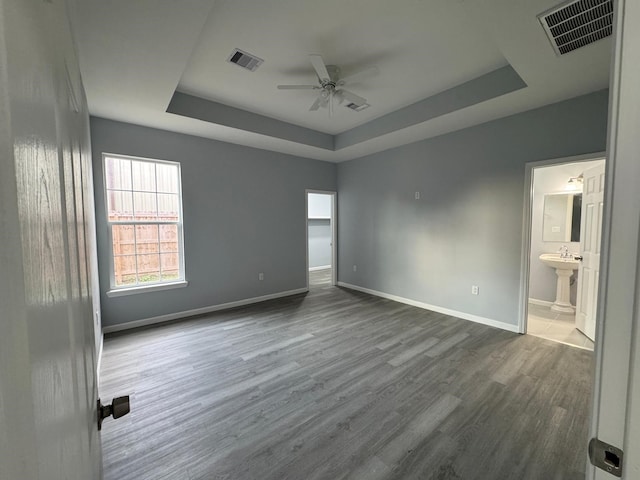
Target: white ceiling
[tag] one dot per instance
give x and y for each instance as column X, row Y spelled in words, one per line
column 135, row 55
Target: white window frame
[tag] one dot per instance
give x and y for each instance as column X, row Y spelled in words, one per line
column 121, row 290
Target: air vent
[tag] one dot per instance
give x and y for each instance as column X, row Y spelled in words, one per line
column 356, row 107
column 245, row 60
column 577, row 23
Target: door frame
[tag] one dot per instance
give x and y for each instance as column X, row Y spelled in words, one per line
column 334, row 232
column 615, row 412
column 525, row 267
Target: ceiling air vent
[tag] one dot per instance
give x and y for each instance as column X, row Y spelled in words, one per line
column 356, row 107
column 245, row 60
column 577, row 23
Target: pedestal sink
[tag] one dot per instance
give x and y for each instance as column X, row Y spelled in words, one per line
column 564, row 269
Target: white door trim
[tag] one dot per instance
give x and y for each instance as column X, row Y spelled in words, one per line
column 526, row 226
column 334, row 232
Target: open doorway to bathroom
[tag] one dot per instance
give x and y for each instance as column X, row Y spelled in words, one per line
column 566, row 205
column 321, row 239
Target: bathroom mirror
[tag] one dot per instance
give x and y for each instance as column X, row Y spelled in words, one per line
column 561, row 222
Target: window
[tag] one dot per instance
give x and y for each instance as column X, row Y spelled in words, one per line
column 144, row 217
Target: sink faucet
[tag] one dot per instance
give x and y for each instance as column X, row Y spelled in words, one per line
column 564, row 252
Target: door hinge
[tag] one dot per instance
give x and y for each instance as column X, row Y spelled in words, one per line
column 606, row 457
column 119, row 408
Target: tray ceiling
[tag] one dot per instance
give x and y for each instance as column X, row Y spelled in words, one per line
column 140, row 59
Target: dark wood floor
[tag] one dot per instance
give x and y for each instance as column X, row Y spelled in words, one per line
column 338, row 384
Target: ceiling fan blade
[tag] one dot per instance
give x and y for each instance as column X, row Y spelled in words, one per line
column 316, row 105
column 352, row 97
column 298, row 87
column 320, row 67
column 365, row 72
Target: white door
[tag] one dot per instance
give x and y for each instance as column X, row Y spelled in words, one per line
column 48, row 391
column 590, row 245
column 616, row 399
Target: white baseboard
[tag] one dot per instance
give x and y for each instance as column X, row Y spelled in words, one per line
column 198, row 311
column 447, row 311
column 321, row 267
column 544, row 303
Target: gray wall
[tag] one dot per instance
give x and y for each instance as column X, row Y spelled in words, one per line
column 244, row 213
column 543, row 279
column 319, row 212
column 466, row 228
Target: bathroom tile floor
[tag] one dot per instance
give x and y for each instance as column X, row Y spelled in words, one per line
column 558, row 327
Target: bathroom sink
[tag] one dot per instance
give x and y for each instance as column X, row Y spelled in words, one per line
column 564, row 270
column 554, row 260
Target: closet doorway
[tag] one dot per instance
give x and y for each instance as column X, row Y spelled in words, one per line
column 321, row 238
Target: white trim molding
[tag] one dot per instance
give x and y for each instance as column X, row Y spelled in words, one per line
column 121, row 292
column 542, row 303
column 198, row 311
column 447, row 311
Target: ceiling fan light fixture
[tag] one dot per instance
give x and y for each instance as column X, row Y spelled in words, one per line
column 574, row 183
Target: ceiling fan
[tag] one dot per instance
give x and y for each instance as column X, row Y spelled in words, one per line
column 331, row 85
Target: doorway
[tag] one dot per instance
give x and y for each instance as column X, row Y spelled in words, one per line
column 564, row 203
column 321, row 238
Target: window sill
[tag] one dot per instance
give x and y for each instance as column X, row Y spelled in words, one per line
column 121, row 292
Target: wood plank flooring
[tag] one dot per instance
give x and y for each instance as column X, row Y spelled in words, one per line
column 337, row 385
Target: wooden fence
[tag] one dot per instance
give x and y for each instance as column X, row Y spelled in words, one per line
column 153, row 248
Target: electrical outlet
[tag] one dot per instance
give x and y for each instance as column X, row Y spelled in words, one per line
column 474, row 290
column 261, row 276
column 417, row 195
column 355, row 268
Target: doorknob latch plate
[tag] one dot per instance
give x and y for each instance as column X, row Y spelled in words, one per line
column 606, row 457
column 119, row 408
